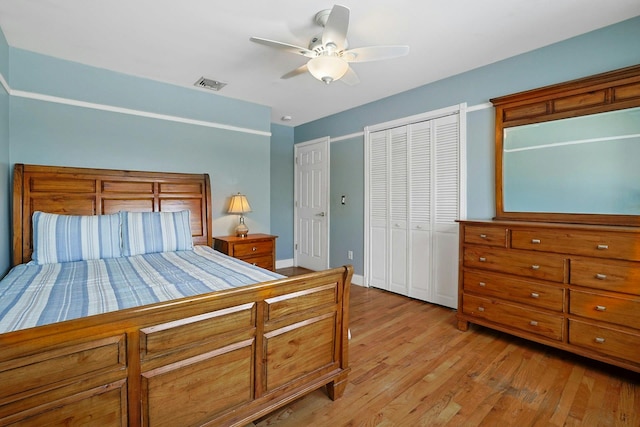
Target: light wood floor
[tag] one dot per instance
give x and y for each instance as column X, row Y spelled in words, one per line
column 412, row 367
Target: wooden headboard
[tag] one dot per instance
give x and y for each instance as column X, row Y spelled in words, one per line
column 81, row 191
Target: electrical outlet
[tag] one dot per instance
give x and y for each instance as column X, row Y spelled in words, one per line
column 350, row 254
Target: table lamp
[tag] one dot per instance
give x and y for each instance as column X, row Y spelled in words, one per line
column 239, row 205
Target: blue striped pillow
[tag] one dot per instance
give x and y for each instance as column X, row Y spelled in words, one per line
column 66, row 238
column 150, row 232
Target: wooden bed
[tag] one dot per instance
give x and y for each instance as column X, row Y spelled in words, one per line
column 223, row 358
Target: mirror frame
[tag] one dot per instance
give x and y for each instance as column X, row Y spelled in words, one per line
column 610, row 91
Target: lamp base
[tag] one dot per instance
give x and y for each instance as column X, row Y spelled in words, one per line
column 241, row 229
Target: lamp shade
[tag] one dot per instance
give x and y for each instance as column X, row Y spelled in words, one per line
column 239, row 204
column 327, row 68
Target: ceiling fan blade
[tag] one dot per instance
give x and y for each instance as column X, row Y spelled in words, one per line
column 298, row 50
column 300, row 70
column 350, row 77
column 335, row 30
column 374, row 53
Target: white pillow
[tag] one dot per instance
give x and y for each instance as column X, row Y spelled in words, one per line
column 66, row 238
column 150, row 232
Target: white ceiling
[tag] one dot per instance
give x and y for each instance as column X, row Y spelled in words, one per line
column 180, row 41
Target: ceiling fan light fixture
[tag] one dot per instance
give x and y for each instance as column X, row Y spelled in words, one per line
column 327, row 68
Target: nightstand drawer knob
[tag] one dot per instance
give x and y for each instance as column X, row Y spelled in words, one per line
column 482, row 284
column 480, row 309
column 482, row 259
column 601, row 276
column 483, row 236
column 599, row 340
column 535, row 267
column 533, row 323
column 254, row 249
column 535, row 295
column 601, row 308
column 603, row 247
column 535, row 241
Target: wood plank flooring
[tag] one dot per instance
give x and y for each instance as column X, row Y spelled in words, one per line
column 412, row 367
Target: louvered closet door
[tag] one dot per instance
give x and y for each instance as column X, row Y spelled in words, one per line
column 378, row 209
column 420, row 136
column 446, row 192
column 398, row 204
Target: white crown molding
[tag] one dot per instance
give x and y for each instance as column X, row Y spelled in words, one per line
column 121, row 110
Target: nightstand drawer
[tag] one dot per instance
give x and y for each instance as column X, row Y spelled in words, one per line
column 264, row 261
column 257, row 249
column 241, row 250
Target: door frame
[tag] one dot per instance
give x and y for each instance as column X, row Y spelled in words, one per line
column 327, row 142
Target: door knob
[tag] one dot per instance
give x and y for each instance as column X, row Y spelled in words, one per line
column 320, row 214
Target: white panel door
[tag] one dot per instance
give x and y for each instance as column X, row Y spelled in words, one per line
column 420, row 210
column 398, row 204
column 312, row 210
column 378, row 210
column 446, row 200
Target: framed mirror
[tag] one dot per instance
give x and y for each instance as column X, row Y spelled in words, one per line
column 571, row 152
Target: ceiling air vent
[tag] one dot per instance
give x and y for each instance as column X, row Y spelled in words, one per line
column 209, row 84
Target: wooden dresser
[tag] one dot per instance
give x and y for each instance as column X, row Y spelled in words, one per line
column 256, row 249
column 574, row 287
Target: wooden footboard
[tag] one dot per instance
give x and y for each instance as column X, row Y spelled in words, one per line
column 225, row 358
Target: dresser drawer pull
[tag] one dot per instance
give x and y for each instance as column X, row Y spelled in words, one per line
column 255, row 263
column 601, row 276
column 482, row 259
column 480, row 309
column 254, row 249
column 601, row 308
column 599, row 340
column 603, row 247
column 483, row 236
column 535, row 295
column 535, row 241
column 482, row 284
column 533, row 323
column 535, row 267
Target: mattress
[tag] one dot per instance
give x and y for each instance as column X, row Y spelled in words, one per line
column 34, row 295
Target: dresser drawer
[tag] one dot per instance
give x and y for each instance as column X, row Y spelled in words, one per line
column 603, row 245
column 512, row 289
column 617, row 276
column 512, row 316
column 491, row 236
column 241, row 250
column 622, row 311
column 264, row 261
column 608, row 341
column 549, row 267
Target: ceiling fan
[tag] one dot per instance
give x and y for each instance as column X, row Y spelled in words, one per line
column 328, row 52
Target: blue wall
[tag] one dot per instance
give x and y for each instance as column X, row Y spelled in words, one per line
column 606, row 49
column 104, row 119
column 5, row 219
column 282, row 179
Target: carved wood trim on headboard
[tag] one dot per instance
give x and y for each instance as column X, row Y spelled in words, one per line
column 83, row 191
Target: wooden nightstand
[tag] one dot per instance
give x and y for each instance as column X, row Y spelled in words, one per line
column 256, row 249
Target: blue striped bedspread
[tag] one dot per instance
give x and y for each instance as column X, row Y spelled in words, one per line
column 34, row 295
